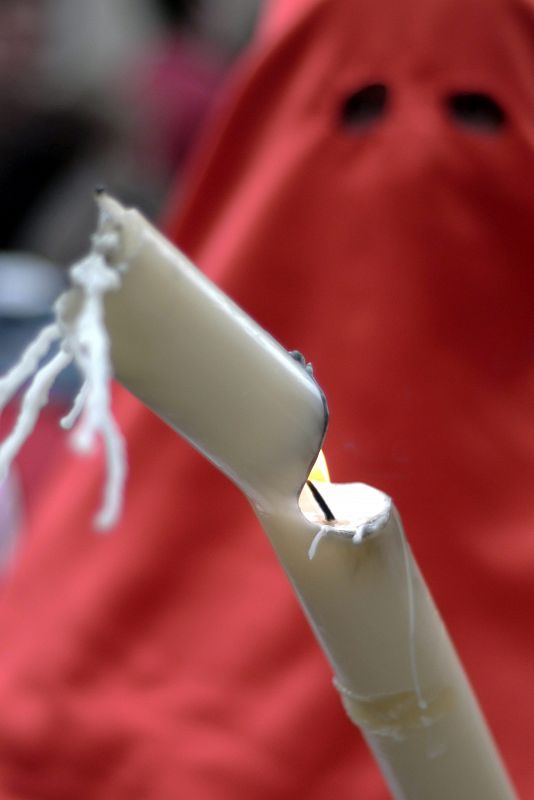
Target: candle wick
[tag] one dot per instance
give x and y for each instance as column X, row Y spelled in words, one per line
column 321, row 502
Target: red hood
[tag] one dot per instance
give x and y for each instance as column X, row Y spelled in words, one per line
column 170, row 658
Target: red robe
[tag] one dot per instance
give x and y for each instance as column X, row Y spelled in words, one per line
column 388, row 235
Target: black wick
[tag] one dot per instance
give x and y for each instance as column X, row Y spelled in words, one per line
column 321, row 502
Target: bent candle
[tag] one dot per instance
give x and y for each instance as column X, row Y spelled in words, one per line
column 196, row 359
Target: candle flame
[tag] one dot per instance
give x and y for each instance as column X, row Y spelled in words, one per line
column 320, row 470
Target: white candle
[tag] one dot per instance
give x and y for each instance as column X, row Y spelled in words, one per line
column 396, row 669
column 188, row 352
column 197, row 360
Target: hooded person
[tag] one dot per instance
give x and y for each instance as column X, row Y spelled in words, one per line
column 366, row 195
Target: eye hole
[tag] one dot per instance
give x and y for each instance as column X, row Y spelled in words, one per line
column 477, row 111
column 365, row 107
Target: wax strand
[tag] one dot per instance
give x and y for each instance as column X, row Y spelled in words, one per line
column 67, row 422
column 423, row 705
column 28, row 362
column 81, row 330
column 34, row 400
column 321, row 534
column 89, row 341
column 117, row 467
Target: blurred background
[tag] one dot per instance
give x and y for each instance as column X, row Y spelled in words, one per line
column 92, row 92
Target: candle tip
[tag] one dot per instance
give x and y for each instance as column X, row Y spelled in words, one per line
column 112, row 210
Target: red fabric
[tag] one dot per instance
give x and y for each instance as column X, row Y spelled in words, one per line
column 41, row 454
column 172, row 89
column 170, row 659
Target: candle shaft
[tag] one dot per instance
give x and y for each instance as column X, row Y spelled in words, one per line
column 218, row 379
column 203, row 365
column 399, row 677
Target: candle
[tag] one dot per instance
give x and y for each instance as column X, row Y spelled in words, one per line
column 395, row 667
column 218, row 379
column 195, row 358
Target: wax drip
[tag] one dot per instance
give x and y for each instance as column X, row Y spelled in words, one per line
column 321, row 534
column 421, row 702
column 355, row 535
column 83, row 340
